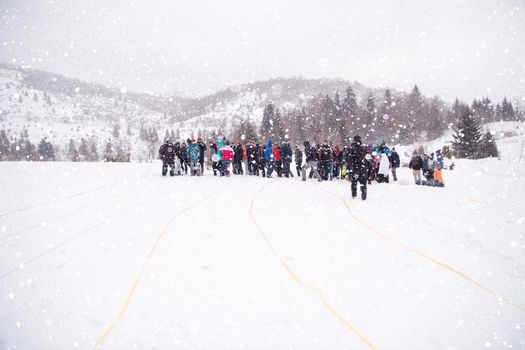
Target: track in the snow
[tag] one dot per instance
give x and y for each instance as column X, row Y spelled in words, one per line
column 426, row 257
column 295, row 276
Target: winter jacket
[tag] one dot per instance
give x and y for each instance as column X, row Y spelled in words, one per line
column 338, row 156
column 416, row 163
column 183, row 155
column 286, row 152
column 237, row 150
column 298, row 156
column 325, row 153
column 167, row 152
column 311, row 152
column 213, row 149
column 251, row 153
column 227, row 153
column 358, row 163
column 394, row 157
column 194, row 152
column 277, row 154
column 202, row 148
column 269, row 150
column 439, row 160
column 384, row 165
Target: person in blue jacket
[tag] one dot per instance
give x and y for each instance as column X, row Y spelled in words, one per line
column 270, row 160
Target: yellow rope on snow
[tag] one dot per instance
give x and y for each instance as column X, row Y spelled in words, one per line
column 131, row 294
column 293, row 275
column 426, row 257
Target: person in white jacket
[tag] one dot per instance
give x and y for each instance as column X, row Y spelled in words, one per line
column 384, row 168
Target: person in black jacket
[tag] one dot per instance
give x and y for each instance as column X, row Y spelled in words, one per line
column 237, row 159
column 311, row 161
column 261, row 159
column 416, row 163
column 167, row 155
column 202, row 147
column 358, row 167
column 286, row 157
column 325, row 156
column 298, row 160
column 183, row 155
column 394, row 158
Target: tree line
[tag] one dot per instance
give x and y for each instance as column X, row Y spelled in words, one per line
column 395, row 118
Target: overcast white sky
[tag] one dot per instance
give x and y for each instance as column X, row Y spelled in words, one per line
column 449, row 48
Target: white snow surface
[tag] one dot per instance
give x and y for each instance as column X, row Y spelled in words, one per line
column 115, row 256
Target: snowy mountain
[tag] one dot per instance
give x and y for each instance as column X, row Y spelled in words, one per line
column 59, row 108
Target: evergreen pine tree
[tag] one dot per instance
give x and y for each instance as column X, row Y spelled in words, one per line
column 267, row 121
column 116, row 131
column 370, row 118
column 72, row 151
column 93, row 152
column 468, row 136
column 385, row 119
column 436, row 125
column 487, row 146
column 109, row 156
column 83, row 150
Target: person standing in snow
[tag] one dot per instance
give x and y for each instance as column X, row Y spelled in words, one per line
column 214, row 158
column 286, row 155
column 251, row 153
column 438, row 169
column 358, row 167
column 311, row 161
column 384, row 168
column 278, row 160
column 325, row 156
column 167, row 155
column 227, row 157
column 269, row 157
column 183, row 155
column 202, row 148
column 261, row 159
column 194, row 155
column 237, row 159
column 416, row 163
column 298, row 155
column 428, row 169
column 394, row 157
column 177, row 159
column 245, row 157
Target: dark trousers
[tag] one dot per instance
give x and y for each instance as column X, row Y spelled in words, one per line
column 271, row 167
column 298, row 168
column 279, row 168
column 286, row 169
column 325, row 169
column 165, row 168
column 362, row 178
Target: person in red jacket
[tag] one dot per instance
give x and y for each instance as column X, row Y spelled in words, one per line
column 278, row 161
column 227, row 157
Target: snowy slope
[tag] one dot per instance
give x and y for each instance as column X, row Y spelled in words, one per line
column 115, row 256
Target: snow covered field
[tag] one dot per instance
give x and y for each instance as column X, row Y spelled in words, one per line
column 117, row 257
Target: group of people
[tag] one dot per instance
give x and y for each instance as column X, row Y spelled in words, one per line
column 431, row 166
column 357, row 162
